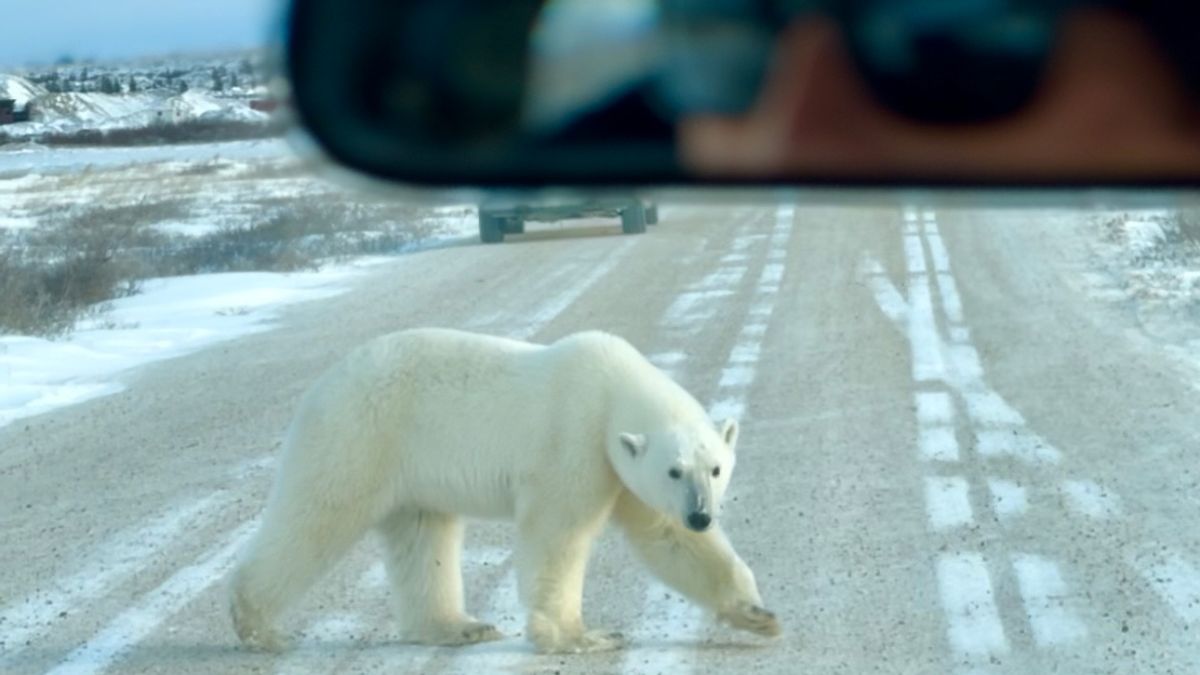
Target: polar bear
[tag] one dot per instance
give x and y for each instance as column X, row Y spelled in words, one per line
column 418, row 429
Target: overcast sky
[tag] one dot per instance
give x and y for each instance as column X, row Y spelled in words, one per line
column 40, row 31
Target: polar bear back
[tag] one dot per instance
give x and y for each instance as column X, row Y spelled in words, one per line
column 459, row 422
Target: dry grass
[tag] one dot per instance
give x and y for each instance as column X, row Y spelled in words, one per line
column 293, row 235
column 191, row 131
column 1154, row 264
column 74, row 260
column 1179, row 244
column 46, row 297
column 81, row 257
column 1188, row 229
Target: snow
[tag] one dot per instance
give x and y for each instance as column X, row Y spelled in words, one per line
column 193, row 104
column 454, row 222
column 235, row 114
column 1143, row 235
column 169, row 318
column 49, row 160
column 215, row 185
column 187, row 228
column 19, row 88
column 17, row 223
column 1153, row 257
column 1148, row 262
column 75, row 111
column 90, row 110
column 174, row 316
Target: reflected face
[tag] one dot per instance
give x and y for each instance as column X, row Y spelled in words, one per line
column 1110, row 104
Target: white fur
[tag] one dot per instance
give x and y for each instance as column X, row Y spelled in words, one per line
column 416, row 429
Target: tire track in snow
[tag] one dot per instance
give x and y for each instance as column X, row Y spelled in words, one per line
column 312, row 653
column 133, row 625
column 1173, row 579
column 1002, row 432
column 975, row 630
column 1047, row 601
column 110, row 566
column 101, row 571
column 973, row 622
column 551, row 309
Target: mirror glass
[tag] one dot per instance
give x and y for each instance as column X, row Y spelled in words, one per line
column 632, row 91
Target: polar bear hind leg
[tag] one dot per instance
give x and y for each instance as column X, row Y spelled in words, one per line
column 422, row 552
column 551, row 560
column 293, row 548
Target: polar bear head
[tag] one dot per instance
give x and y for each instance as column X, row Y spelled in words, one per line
column 679, row 470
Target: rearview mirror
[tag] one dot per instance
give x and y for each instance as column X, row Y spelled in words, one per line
column 577, row 92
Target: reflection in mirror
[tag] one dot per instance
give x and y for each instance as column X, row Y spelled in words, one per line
column 567, row 91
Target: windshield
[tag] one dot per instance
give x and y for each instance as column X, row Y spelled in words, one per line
column 964, row 422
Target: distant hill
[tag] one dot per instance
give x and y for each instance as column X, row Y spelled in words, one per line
column 86, row 103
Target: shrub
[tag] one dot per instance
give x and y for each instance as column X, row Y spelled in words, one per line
column 190, row 131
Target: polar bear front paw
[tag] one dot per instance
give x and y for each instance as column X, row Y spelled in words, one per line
column 264, row 640
column 751, row 617
column 254, row 631
column 458, row 633
column 586, row 642
column 599, row 641
column 472, row 632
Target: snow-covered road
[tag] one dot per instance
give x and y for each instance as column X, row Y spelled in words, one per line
column 954, row 458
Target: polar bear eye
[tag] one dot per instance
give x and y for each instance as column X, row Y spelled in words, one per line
column 716, row 471
column 675, row 473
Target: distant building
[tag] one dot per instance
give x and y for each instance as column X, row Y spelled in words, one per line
column 9, row 113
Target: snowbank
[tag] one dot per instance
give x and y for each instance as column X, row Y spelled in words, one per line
column 1149, row 261
column 170, row 318
column 51, row 160
column 74, row 111
column 1142, row 235
column 20, row 89
column 88, row 110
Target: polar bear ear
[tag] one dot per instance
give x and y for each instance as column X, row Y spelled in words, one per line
column 729, row 431
column 634, row 443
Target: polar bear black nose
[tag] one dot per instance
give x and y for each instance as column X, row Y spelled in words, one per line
column 698, row 521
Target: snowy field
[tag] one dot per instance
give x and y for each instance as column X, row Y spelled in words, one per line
column 70, row 112
column 40, row 159
column 184, row 194
column 1147, row 263
column 170, row 317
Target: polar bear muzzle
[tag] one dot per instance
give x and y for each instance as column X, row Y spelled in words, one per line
column 698, row 521
column 698, row 517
